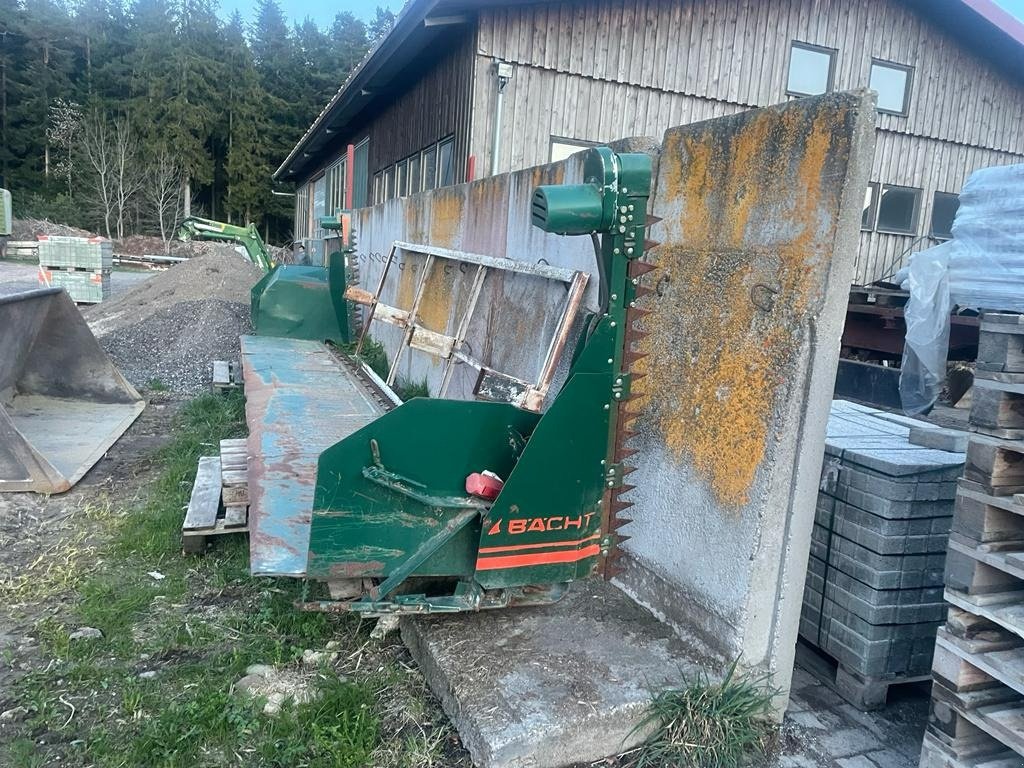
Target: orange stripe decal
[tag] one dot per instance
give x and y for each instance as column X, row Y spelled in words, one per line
column 541, row 558
column 516, row 547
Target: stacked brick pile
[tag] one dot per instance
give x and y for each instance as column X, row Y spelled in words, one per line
column 977, row 716
column 873, row 594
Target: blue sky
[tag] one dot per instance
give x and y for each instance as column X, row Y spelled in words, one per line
column 323, row 12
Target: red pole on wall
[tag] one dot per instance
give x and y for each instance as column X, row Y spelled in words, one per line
column 470, row 167
column 350, row 161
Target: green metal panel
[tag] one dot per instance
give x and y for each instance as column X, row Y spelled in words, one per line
column 298, row 302
column 363, row 528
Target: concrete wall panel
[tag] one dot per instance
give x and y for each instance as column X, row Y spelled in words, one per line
column 760, row 216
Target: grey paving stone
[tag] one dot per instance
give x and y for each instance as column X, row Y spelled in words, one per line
column 807, row 720
column 857, row 761
column 845, row 742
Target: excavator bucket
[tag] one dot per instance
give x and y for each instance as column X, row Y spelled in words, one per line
column 62, row 402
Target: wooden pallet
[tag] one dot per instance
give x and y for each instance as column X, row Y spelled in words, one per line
column 865, row 693
column 226, row 375
column 220, row 497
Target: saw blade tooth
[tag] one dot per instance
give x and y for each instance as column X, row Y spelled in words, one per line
column 625, row 488
column 636, row 313
column 620, row 540
column 624, row 435
column 652, row 220
column 618, row 506
column 632, row 335
column 629, row 357
column 618, row 522
column 635, row 377
column 628, row 470
column 640, row 268
column 649, row 244
column 624, row 453
column 640, row 291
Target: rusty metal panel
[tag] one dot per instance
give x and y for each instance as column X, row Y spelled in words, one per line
column 300, row 399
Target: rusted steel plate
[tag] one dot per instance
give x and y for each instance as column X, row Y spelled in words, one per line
column 300, row 399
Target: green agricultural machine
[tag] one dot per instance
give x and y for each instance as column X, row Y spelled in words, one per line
column 400, row 520
column 290, row 300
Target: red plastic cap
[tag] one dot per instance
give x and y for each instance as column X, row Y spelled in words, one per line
column 486, row 485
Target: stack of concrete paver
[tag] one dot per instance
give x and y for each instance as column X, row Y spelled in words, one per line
column 873, row 594
column 80, row 265
column 977, row 713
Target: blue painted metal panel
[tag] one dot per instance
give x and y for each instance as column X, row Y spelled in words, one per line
column 300, row 400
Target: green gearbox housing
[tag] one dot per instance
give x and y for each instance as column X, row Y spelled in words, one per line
column 393, row 529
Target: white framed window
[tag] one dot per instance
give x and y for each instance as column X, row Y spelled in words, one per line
column 944, row 207
column 378, row 188
column 401, row 178
column 867, row 219
column 892, row 82
column 446, row 162
column 562, row 148
column 389, row 182
column 414, row 174
column 430, row 167
column 811, row 69
column 898, row 210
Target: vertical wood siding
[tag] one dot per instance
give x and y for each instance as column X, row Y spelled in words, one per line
column 437, row 105
column 597, row 71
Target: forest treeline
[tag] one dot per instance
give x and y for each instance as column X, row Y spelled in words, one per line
column 118, row 116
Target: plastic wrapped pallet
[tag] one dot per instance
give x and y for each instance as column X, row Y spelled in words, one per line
column 982, row 267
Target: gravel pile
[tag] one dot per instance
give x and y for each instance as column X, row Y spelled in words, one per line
column 172, row 327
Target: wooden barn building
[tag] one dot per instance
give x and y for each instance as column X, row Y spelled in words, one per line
column 460, row 89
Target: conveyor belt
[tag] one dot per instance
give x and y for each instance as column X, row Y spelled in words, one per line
column 300, row 399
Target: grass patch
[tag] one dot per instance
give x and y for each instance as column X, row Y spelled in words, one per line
column 708, row 725
column 156, row 385
column 179, row 631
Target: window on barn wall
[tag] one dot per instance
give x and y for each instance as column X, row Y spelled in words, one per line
column 378, row 188
column 898, row 209
column 563, row 148
column 414, row 174
column 302, row 213
column 360, row 173
column 401, row 178
column 811, row 69
column 867, row 219
column 944, row 207
column 319, row 203
column 430, row 168
column 892, row 81
column 336, row 187
column 446, row 162
column 389, row 182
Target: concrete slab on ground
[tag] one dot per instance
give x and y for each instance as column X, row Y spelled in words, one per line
column 551, row 686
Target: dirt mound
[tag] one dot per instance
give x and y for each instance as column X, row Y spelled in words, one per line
column 173, row 326
column 29, row 229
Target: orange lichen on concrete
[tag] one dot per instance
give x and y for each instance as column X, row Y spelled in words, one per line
column 726, row 334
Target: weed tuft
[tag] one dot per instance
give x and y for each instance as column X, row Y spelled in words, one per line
column 708, row 725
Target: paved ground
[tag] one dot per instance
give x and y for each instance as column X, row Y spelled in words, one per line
column 18, row 276
column 833, row 734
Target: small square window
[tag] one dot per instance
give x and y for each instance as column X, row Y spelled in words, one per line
column 944, row 206
column 563, row 148
column 389, row 182
column 867, row 219
column 892, row 82
column 898, row 210
column 811, row 69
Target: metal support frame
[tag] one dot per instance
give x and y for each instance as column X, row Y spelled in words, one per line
column 493, row 385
